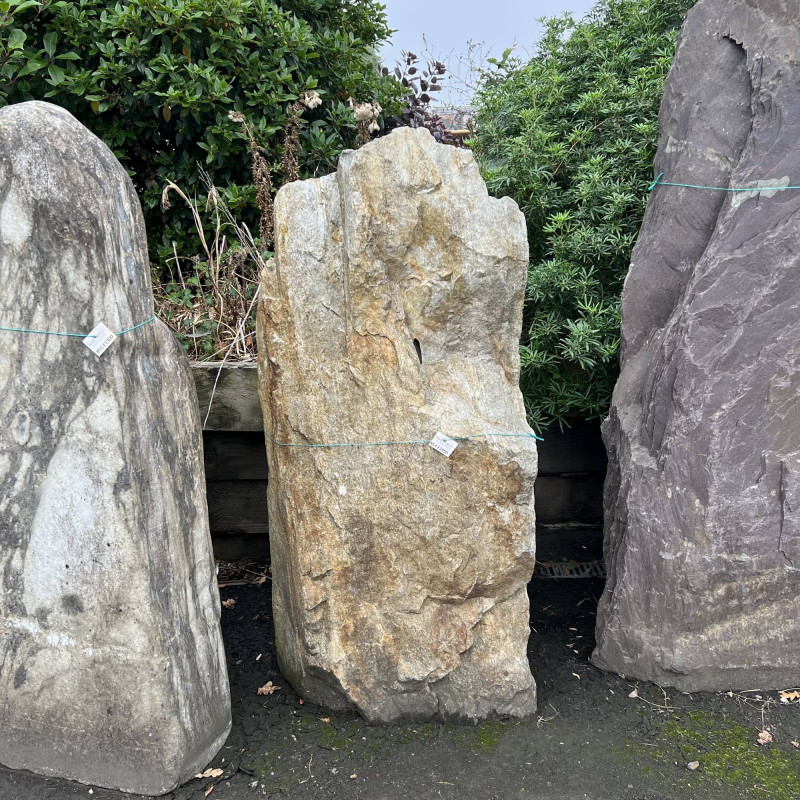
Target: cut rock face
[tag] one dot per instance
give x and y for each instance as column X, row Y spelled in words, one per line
column 112, row 670
column 394, row 312
column 703, row 492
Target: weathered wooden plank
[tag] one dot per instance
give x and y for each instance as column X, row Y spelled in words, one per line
column 236, row 468
column 236, row 546
column 240, row 457
column 234, row 456
column 576, row 449
column 237, row 506
column 236, row 407
column 580, row 543
column 235, row 404
column 563, row 499
column 240, row 506
column 576, row 543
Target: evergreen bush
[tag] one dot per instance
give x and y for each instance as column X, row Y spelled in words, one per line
column 156, row 80
column 571, row 136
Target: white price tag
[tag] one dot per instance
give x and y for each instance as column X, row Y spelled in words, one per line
column 100, row 339
column 443, row 444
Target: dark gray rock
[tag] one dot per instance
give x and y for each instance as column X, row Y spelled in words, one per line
column 702, row 498
column 112, row 670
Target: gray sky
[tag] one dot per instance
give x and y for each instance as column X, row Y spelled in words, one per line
column 449, row 24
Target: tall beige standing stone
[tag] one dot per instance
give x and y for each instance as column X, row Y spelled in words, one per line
column 393, row 312
column 112, row 670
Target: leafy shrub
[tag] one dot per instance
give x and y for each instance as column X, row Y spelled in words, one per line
column 571, row 136
column 420, row 81
column 156, row 80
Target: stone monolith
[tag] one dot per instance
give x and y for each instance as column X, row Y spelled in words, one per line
column 702, row 497
column 393, row 312
column 112, row 669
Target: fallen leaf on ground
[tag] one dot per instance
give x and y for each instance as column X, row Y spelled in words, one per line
column 326, row 719
column 301, row 701
column 268, row 688
column 764, row 737
column 693, row 765
column 789, row 696
column 634, row 693
column 795, row 744
column 208, row 791
column 229, row 603
column 209, row 773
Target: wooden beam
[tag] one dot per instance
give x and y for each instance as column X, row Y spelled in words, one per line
column 576, row 449
column 235, row 456
column 235, row 405
column 236, row 507
column 561, row 500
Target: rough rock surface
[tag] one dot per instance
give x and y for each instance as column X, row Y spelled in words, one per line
column 112, row 670
column 703, row 491
column 394, row 312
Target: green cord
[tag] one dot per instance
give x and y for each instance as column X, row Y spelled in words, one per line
column 659, row 182
column 75, row 335
column 287, row 444
column 44, row 333
column 146, row 322
column 405, row 441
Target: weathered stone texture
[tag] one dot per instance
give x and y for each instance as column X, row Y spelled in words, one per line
column 394, row 311
column 703, row 491
column 112, row 670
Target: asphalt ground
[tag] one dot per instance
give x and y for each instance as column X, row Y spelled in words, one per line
column 596, row 736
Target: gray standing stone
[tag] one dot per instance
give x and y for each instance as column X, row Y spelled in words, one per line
column 703, row 492
column 112, row 670
column 394, row 311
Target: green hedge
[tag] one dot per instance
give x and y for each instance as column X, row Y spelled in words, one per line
column 571, row 136
column 156, row 80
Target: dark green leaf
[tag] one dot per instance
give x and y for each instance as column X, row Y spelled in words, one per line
column 16, row 39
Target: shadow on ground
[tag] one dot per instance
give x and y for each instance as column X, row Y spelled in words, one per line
column 590, row 739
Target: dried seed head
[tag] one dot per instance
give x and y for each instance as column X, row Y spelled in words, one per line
column 311, row 100
column 362, row 112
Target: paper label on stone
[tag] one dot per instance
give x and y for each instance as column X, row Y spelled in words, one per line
column 100, row 339
column 443, row 444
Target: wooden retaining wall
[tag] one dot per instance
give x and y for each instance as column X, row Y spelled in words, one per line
column 569, row 489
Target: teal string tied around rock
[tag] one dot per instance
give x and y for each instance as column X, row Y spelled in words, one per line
column 75, row 335
column 753, row 189
column 139, row 325
column 399, row 442
column 655, row 182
